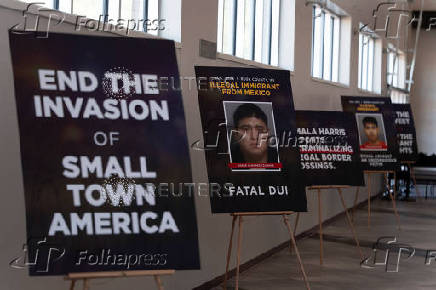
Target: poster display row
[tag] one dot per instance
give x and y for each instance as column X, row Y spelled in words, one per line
column 106, row 161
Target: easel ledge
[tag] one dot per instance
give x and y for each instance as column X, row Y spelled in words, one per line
column 85, row 276
column 261, row 213
column 327, row 186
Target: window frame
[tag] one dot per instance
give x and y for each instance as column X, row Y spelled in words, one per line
column 393, row 78
column 242, row 37
column 323, row 61
column 366, row 67
column 370, row 63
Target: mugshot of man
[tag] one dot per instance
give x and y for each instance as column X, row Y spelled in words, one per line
column 250, row 137
column 372, row 132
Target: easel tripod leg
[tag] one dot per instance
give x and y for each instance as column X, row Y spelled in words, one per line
column 369, row 199
column 321, row 254
column 294, row 243
column 73, row 284
column 297, row 219
column 356, row 198
column 158, row 282
column 394, row 206
column 85, row 284
column 229, row 252
column 238, row 257
column 350, row 223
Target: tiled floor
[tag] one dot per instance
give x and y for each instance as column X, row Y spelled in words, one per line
column 341, row 269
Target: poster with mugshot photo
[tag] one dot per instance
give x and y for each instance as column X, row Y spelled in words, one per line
column 374, row 119
column 249, row 125
column 249, row 131
column 406, row 133
column 100, row 143
column 329, row 148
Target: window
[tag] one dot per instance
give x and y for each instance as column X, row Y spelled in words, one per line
column 399, row 96
column 396, row 68
column 326, row 32
column 258, row 30
column 370, row 51
column 140, row 13
column 366, row 62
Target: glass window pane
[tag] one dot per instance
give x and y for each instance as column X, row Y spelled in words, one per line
column 133, row 10
column 370, row 64
column 395, row 73
column 126, row 9
column 365, row 63
column 317, row 43
column 219, row 41
column 328, row 36
column 249, row 29
column 402, row 71
column 360, row 59
column 240, row 28
column 258, row 31
column 113, row 10
column 229, row 29
column 336, row 40
column 46, row 3
column 275, row 32
column 153, row 14
column 390, row 68
column 65, row 6
column 89, row 9
column 266, row 34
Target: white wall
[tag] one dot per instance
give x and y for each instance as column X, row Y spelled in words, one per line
column 423, row 93
column 260, row 233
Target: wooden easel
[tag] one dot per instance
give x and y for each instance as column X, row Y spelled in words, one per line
column 239, row 217
column 86, row 276
column 350, row 223
column 394, row 206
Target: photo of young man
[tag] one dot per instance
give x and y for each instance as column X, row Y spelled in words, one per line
column 250, row 134
column 372, row 140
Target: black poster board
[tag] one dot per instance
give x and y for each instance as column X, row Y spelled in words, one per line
column 248, row 120
column 329, row 148
column 374, row 118
column 406, row 133
column 98, row 139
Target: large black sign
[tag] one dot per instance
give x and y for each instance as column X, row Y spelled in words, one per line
column 329, row 148
column 249, row 128
column 101, row 145
column 406, row 134
column 377, row 136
